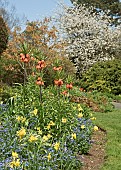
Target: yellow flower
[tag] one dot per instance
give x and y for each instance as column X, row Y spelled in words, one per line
column 93, row 118
column 80, row 109
column 74, row 108
column 80, row 115
column 15, row 163
column 23, row 119
column 39, row 131
column 18, row 118
column 33, row 138
column 48, row 126
column 64, row 120
column 51, row 123
column 49, row 136
column 56, row 146
column 35, row 111
column 95, row 128
column 14, row 155
column 21, row 133
column 45, row 138
column 38, row 128
column 82, row 126
column 49, row 156
column 73, row 135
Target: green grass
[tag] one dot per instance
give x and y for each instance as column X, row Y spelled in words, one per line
column 111, row 122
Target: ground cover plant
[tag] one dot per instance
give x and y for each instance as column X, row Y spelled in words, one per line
column 42, row 128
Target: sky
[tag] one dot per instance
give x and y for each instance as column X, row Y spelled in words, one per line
column 36, row 9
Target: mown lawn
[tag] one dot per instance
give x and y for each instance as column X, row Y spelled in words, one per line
column 111, row 122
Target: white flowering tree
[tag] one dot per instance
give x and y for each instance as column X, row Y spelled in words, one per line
column 88, row 35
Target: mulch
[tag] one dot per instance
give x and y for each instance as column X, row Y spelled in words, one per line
column 96, row 156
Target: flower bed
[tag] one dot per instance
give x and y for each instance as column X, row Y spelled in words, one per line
column 42, row 128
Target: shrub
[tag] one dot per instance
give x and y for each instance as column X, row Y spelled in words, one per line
column 104, row 76
column 3, row 35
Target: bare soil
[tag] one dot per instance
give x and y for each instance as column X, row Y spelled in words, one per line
column 96, row 156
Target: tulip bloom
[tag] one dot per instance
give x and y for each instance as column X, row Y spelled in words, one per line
column 69, row 86
column 25, row 58
column 57, row 68
column 39, row 81
column 81, row 89
column 41, row 65
column 58, row 82
column 65, row 92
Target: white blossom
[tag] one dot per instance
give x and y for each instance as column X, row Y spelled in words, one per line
column 89, row 36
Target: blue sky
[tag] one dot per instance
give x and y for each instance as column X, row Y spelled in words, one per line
column 36, row 9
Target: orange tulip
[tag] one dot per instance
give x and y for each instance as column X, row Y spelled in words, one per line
column 25, row 58
column 41, row 64
column 58, row 82
column 65, row 92
column 69, row 86
column 39, row 81
column 81, row 89
column 57, row 68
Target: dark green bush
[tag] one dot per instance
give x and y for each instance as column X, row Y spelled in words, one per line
column 3, row 35
column 103, row 76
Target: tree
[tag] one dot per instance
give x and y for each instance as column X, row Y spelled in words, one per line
column 89, row 36
column 8, row 13
column 3, row 35
column 113, row 5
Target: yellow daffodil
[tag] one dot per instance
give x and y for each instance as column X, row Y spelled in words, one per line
column 34, row 112
column 95, row 128
column 21, row 133
column 82, row 126
column 33, row 138
column 56, row 146
column 45, row 138
column 93, row 118
column 15, row 163
column 49, row 156
column 14, row 155
column 80, row 115
column 64, row 120
column 51, row 123
column 49, row 136
column 39, row 131
column 74, row 108
column 48, row 126
column 23, row 119
column 79, row 107
column 73, row 135
column 18, row 118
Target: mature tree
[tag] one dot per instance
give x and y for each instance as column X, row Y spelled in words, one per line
column 8, row 13
column 89, row 36
column 3, row 35
column 112, row 6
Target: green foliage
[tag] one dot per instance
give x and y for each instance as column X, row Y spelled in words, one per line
column 103, row 76
column 3, row 35
column 113, row 5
